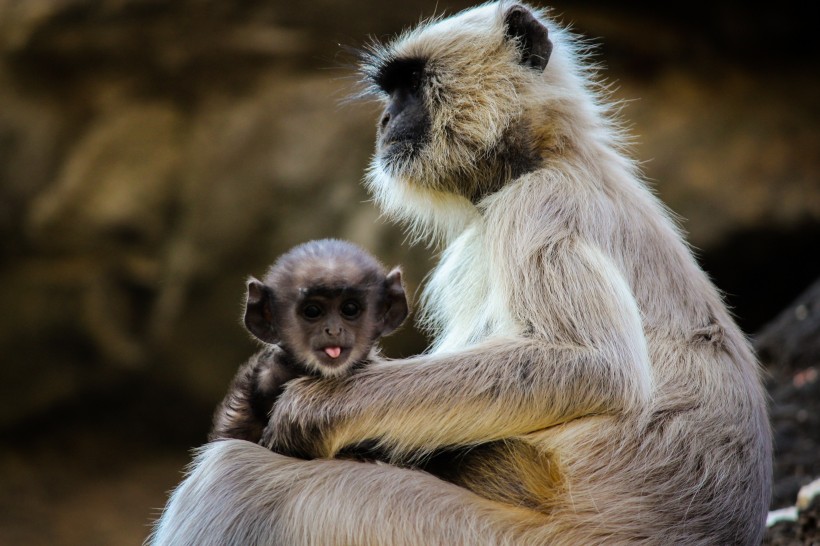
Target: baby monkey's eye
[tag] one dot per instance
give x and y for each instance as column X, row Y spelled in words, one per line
column 350, row 309
column 311, row 311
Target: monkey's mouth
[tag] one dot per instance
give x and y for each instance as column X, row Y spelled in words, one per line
column 398, row 151
column 333, row 352
column 333, row 355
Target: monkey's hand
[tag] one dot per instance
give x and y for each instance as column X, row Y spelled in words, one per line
column 301, row 421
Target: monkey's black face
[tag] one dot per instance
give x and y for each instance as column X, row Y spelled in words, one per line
column 405, row 124
column 456, row 117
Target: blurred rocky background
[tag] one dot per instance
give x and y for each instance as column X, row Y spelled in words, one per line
column 154, row 153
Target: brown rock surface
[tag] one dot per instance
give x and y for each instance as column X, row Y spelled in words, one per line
column 799, row 524
column 789, row 346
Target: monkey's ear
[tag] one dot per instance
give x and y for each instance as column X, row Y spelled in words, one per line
column 532, row 37
column 397, row 306
column 259, row 312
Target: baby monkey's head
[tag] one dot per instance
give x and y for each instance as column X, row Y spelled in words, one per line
column 326, row 303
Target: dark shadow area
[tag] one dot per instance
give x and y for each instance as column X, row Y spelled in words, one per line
column 73, row 474
column 764, row 269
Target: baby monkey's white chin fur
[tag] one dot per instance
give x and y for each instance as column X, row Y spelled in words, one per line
column 329, row 366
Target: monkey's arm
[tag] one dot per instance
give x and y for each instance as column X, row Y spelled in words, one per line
column 243, row 413
column 584, row 354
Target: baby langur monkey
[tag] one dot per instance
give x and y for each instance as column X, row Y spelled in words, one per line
column 320, row 309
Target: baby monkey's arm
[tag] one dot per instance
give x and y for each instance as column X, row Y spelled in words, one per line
column 243, row 414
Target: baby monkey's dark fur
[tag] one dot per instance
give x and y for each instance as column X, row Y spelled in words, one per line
column 320, row 310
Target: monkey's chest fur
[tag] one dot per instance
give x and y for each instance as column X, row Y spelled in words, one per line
column 472, row 303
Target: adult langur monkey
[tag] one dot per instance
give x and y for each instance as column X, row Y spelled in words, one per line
column 579, row 350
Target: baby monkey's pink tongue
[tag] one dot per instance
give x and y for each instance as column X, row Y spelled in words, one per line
column 333, row 352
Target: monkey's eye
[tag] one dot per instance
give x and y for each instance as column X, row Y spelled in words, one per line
column 350, row 309
column 415, row 79
column 405, row 74
column 311, row 311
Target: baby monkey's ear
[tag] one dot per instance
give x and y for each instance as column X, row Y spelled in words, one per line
column 395, row 301
column 532, row 37
column 259, row 312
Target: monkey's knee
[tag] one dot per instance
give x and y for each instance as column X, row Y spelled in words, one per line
column 227, row 497
column 229, row 469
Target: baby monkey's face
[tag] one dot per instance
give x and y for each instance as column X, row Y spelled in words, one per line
column 335, row 329
column 326, row 303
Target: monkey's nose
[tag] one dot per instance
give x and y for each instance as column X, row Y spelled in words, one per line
column 333, row 331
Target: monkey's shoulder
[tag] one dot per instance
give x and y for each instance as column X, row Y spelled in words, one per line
column 271, row 367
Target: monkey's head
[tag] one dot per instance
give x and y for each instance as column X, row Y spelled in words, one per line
column 470, row 104
column 326, row 302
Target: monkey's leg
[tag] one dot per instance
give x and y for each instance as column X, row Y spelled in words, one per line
column 240, row 493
